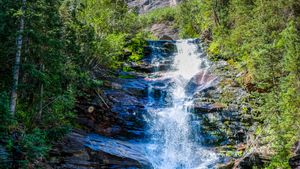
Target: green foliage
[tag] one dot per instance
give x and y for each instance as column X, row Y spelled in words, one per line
column 263, row 39
column 190, row 22
column 63, row 42
column 136, row 47
column 5, row 117
column 289, row 97
column 109, row 25
column 159, row 15
column 34, row 145
column 27, row 147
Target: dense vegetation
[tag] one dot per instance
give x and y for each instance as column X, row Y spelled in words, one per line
column 63, row 41
column 261, row 38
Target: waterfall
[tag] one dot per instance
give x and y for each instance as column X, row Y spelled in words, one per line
column 173, row 137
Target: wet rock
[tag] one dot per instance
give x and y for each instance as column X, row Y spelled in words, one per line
column 125, row 118
column 160, row 51
column 81, row 151
column 141, row 67
column 169, row 47
column 150, row 68
column 201, row 81
column 165, row 37
column 136, row 87
column 131, row 122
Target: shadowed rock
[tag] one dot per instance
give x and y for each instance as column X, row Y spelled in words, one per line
column 78, row 150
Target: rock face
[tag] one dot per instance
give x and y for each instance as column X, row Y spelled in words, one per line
column 81, row 151
column 143, row 6
column 117, row 110
column 164, row 31
column 221, row 118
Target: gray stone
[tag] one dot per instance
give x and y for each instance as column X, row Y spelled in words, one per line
column 79, row 150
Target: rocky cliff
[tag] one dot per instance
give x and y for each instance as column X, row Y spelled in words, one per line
column 144, row 6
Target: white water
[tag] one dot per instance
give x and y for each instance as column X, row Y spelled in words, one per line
column 174, row 140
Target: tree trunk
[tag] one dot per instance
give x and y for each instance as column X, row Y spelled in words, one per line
column 215, row 14
column 41, row 96
column 16, row 69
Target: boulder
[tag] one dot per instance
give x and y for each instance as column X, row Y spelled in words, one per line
column 165, row 37
column 169, row 47
column 164, row 31
column 201, row 81
column 149, row 68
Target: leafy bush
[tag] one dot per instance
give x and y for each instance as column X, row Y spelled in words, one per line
column 159, row 15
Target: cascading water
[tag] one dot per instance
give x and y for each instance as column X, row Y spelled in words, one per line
column 174, row 142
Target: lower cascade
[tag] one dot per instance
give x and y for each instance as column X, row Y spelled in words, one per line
column 173, row 140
